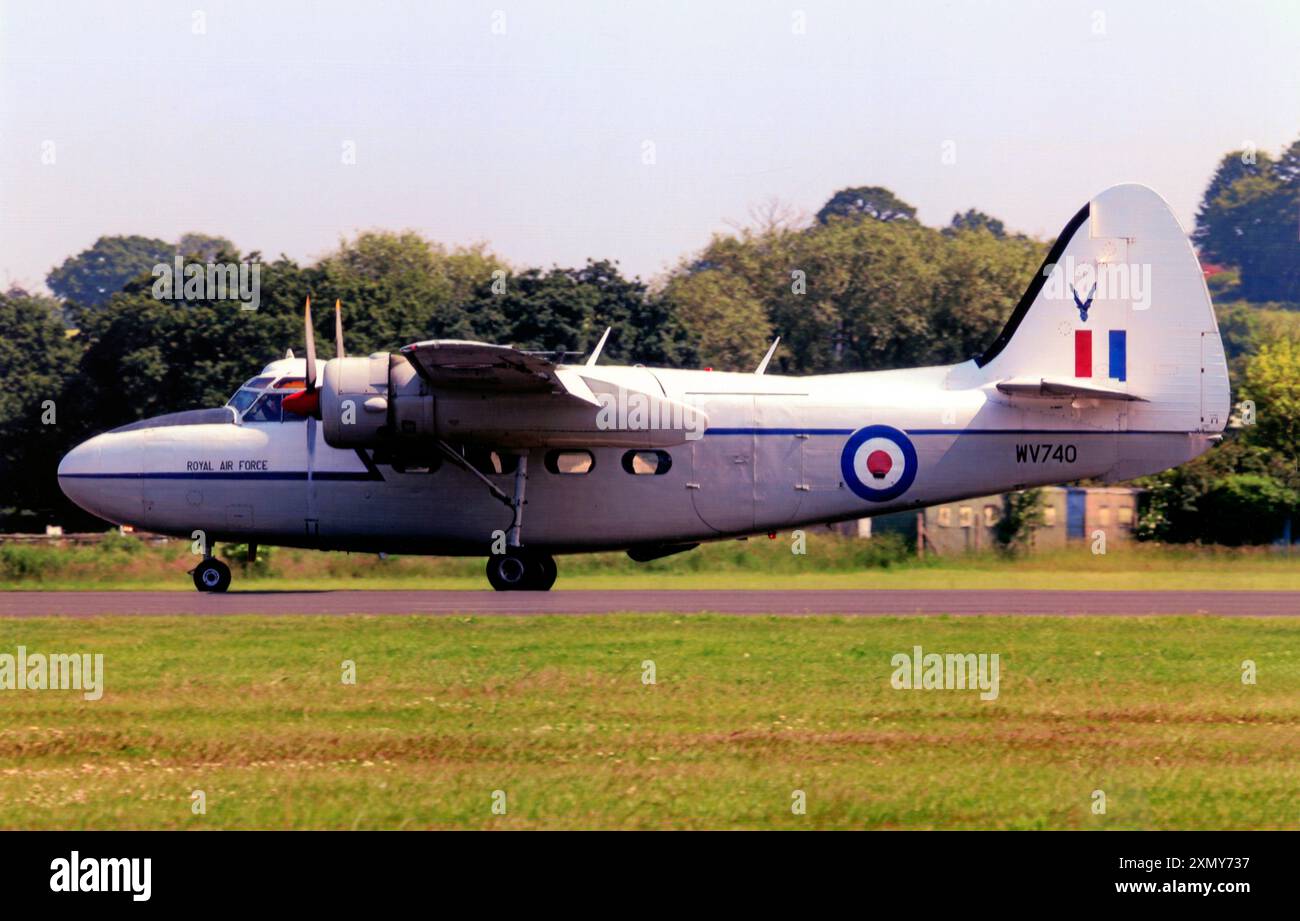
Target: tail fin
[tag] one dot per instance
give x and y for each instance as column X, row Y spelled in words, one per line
column 1120, row 307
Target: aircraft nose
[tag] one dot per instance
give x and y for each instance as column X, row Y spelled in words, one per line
column 101, row 475
column 77, row 473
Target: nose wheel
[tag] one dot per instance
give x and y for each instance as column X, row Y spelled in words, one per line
column 520, row 571
column 211, row 575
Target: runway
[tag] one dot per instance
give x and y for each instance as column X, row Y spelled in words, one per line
column 865, row 603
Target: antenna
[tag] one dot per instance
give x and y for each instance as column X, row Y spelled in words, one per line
column 762, row 365
column 599, row 345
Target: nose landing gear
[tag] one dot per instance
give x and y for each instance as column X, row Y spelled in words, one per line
column 519, row 570
column 211, row 575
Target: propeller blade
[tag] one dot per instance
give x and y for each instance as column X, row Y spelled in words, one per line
column 306, row 402
column 311, row 346
column 338, row 329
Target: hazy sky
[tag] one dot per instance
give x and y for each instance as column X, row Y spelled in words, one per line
column 525, row 124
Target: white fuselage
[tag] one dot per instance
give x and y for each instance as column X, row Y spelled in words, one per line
column 773, row 456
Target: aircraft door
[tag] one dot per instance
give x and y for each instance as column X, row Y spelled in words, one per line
column 778, row 460
column 722, row 463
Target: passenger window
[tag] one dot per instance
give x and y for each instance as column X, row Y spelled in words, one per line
column 492, row 463
column 647, row 463
column 570, row 463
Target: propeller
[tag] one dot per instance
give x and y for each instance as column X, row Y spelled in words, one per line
column 306, row 402
column 338, row 329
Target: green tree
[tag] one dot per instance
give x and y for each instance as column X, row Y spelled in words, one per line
column 1022, row 514
column 398, row 288
column 202, row 247
column 91, row 277
column 866, row 201
column 1272, row 381
column 727, row 321
column 1247, row 219
column 976, row 220
column 981, row 278
column 37, row 359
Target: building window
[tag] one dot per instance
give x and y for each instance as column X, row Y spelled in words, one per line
column 1125, row 515
column 570, row 463
column 1103, row 515
column 945, row 517
column 966, row 516
column 647, row 463
column 990, row 515
column 1049, row 516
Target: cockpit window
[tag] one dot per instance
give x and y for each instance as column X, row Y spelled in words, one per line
column 243, row 399
column 260, row 399
column 266, row 409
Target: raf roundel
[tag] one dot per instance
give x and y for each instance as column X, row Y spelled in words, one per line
column 878, row 463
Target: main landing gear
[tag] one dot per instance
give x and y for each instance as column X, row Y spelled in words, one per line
column 518, row 570
column 211, row 575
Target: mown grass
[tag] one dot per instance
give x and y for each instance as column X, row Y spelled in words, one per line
column 744, row 711
column 829, row 562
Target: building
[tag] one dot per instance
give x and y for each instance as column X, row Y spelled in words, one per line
column 1070, row 514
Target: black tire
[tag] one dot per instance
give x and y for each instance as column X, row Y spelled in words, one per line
column 521, row 571
column 212, row 576
column 546, row 563
column 509, row 572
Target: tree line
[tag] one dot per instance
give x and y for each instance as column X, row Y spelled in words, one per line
column 861, row 285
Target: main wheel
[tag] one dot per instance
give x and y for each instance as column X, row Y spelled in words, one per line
column 521, row 571
column 212, row 575
column 549, row 571
column 508, row 572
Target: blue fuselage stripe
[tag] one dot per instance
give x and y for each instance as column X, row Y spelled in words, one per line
column 250, row 475
column 952, row 432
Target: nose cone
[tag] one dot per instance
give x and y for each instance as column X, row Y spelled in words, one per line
column 102, row 476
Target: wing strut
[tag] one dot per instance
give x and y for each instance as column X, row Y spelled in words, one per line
column 516, row 504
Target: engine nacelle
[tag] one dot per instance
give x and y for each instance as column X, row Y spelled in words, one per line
column 382, row 400
column 354, row 400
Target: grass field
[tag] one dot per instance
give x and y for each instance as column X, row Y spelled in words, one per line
column 744, row 711
column 830, row 562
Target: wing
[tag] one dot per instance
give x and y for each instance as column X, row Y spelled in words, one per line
column 1045, row 387
column 459, row 364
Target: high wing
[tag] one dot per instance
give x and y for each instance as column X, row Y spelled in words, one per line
column 1046, row 387
column 460, row 364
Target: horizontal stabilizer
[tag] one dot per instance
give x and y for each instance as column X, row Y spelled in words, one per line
column 1045, row 387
